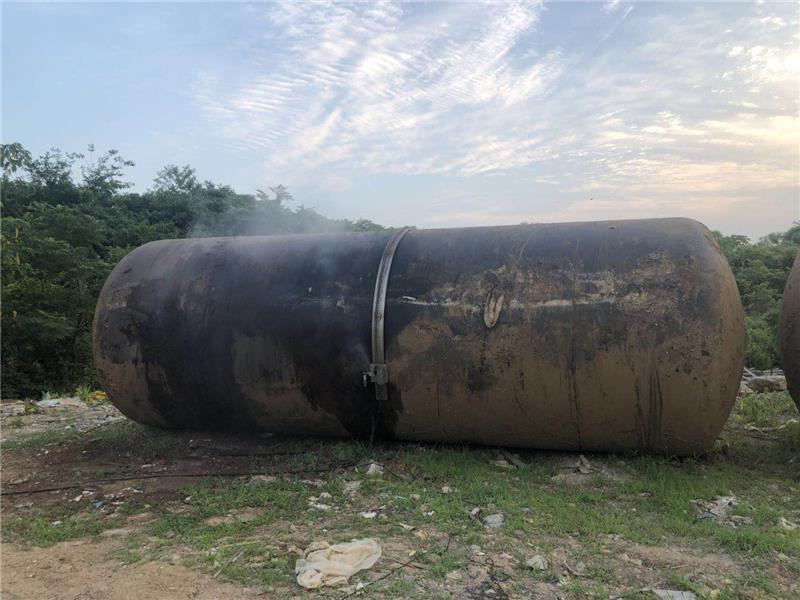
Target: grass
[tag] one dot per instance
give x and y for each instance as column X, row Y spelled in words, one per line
column 646, row 500
column 52, row 526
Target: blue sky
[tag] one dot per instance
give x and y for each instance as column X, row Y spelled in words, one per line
column 430, row 114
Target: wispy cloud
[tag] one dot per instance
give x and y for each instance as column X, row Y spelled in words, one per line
column 674, row 106
column 384, row 90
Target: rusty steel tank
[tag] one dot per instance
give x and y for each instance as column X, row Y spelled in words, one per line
column 789, row 331
column 582, row 336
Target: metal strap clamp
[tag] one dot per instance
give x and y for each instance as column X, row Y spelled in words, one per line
column 378, row 372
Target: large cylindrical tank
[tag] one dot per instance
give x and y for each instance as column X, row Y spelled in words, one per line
column 583, row 336
column 789, row 331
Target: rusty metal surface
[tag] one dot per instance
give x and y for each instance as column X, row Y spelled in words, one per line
column 789, row 331
column 598, row 336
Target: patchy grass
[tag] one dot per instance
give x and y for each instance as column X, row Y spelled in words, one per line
column 54, row 525
column 633, row 523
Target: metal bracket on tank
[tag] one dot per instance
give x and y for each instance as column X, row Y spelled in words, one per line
column 378, row 372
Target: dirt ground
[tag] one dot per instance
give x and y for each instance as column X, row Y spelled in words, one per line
column 95, row 506
column 82, row 570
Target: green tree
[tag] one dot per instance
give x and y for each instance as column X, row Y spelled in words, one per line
column 60, row 238
column 761, row 270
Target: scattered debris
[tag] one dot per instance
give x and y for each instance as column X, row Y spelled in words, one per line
column 672, row 594
column 583, row 466
column 374, row 470
column 515, row 459
column 313, row 483
column 351, row 487
column 739, row 520
column 766, row 383
column 716, row 509
column 494, row 521
column 323, row 564
column 261, row 480
column 579, row 569
column 537, row 563
column 48, row 403
column 476, row 550
column 630, row 559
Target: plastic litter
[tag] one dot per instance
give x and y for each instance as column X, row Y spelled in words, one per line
column 323, row 564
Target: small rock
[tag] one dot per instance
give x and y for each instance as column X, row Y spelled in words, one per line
column 446, row 489
column 766, row 384
column 476, row 550
column 407, row 527
column 583, row 466
column 502, row 463
column 351, row 487
column 672, row 594
column 261, row 480
column 494, row 521
column 23, row 505
column 717, row 508
column 319, row 506
column 537, row 563
column 374, row 470
column 371, row 514
column 48, row 403
column 515, row 460
column 739, row 520
column 325, row 496
column 787, row 524
column 474, row 512
column 631, row 560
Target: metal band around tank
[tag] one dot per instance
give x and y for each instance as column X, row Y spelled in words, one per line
column 378, row 372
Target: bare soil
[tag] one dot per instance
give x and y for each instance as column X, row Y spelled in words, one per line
column 88, row 460
column 81, row 569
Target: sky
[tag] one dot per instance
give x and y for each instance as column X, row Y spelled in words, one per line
column 430, row 114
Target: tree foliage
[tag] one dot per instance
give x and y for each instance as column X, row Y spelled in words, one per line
column 68, row 218
column 761, row 270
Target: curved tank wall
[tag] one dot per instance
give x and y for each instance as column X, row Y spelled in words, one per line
column 592, row 336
